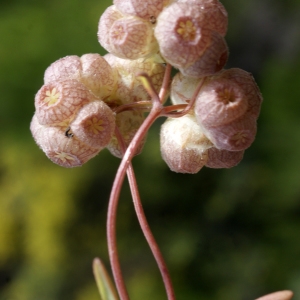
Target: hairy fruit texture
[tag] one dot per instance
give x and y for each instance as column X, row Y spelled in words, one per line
column 91, row 69
column 212, row 60
column 180, row 33
column 64, row 151
column 227, row 108
column 58, row 101
column 235, row 136
column 132, row 38
column 129, row 87
column 216, row 17
column 222, row 158
column 128, row 123
column 146, row 9
column 126, row 37
column 68, row 67
column 249, row 86
column 219, row 102
column 107, row 19
column 182, row 88
column 94, row 124
column 97, row 75
column 183, row 145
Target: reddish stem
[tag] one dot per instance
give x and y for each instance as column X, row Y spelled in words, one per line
column 171, row 110
column 166, row 82
column 114, row 197
column 144, row 224
column 148, row 234
column 166, row 111
column 126, row 165
column 143, row 105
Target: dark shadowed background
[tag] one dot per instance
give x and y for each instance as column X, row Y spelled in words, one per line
column 226, row 234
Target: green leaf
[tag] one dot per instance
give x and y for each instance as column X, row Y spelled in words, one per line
column 104, row 283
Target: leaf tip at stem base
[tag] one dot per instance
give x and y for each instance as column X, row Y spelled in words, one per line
column 281, row 295
column 105, row 286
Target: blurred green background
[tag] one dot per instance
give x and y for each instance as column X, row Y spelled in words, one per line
column 226, row 234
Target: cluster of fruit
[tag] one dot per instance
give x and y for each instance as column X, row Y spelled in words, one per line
column 79, row 107
column 75, row 119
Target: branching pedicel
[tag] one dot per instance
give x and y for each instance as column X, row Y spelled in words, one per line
column 91, row 102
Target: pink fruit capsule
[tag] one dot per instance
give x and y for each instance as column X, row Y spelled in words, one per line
column 58, row 101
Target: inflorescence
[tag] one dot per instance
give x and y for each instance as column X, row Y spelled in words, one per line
column 84, row 99
column 91, row 102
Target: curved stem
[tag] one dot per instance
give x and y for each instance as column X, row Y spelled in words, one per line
column 155, row 112
column 114, row 197
column 144, row 224
column 143, row 105
column 148, row 85
column 112, row 243
column 170, row 110
column 190, row 104
column 148, row 234
column 166, row 82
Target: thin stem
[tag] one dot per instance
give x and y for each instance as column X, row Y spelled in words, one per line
column 148, row 85
column 112, row 243
column 148, row 234
column 166, row 82
column 188, row 106
column 144, row 224
column 143, row 105
column 114, row 197
column 155, row 112
column 170, row 109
